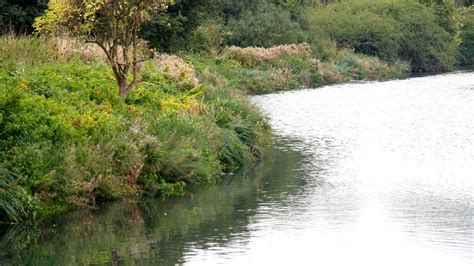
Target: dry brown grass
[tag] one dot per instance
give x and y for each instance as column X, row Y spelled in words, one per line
column 27, row 50
column 176, row 69
column 258, row 55
column 67, row 47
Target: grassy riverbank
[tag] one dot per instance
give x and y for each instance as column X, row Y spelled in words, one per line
column 68, row 140
column 261, row 70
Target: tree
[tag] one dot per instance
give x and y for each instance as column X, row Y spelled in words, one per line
column 111, row 24
column 18, row 15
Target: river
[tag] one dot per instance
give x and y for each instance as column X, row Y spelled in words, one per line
column 376, row 173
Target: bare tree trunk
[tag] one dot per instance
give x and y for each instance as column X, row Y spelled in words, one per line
column 122, row 88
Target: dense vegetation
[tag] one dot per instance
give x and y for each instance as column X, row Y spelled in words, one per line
column 424, row 33
column 284, row 67
column 67, row 139
column 18, row 15
column 390, row 30
column 467, row 36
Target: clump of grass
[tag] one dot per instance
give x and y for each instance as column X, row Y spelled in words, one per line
column 173, row 68
column 259, row 55
column 11, row 207
column 16, row 204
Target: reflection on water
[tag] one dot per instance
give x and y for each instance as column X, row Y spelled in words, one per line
column 155, row 231
column 372, row 174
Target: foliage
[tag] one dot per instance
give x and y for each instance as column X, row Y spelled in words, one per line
column 17, row 16
column 363, row 30
column 265, row 25
column 388, row 29
column 16, row 204
column 444, row 11
column 187, row 25
column 261, row 70
column 466, row 49
column 72, row 141
column 112, row 25
column 207, row 37
column 203, row 25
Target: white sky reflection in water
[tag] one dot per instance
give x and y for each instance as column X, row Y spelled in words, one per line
column 389, row 179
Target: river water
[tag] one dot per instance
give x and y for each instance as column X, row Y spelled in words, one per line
column 378, row 173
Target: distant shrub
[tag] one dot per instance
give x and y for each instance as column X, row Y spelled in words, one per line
column 390, row 30
column 207, row 37
column 259, row 55
column 362, row 30
column 18, row 16
column 265, row 25
column 466, row 49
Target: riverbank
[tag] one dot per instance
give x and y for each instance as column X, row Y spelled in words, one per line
column 68, row 140
column 255, row 70
column 302, row 189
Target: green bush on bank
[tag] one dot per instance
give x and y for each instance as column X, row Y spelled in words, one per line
column 404, row 29
column 265, row 25
column 69, row 140
column 466, row 49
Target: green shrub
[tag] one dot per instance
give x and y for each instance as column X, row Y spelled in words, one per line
column 466, row 49
column 350, row 65
column 403, row 29
column 363, row 30
column 264, row 26
column 207, row 37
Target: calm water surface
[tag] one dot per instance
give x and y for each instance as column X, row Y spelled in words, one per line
column 375, row 173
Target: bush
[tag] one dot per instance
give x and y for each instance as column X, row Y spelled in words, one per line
column 207, row 37
column 264, row 26
column 362, row 30
column 466, row 49
column 260, row 70
column 402, row 29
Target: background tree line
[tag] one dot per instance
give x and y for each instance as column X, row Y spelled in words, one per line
column 430, row 34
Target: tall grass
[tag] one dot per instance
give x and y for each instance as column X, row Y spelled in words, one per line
column 258, row 70
column 21, row 50
column 13, row 200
